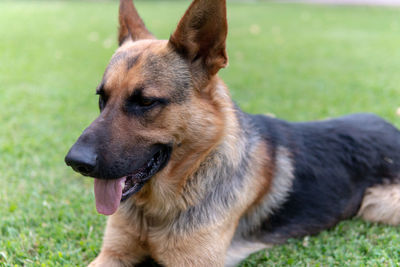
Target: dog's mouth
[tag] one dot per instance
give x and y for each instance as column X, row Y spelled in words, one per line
column 110, row 193
column 135, row 181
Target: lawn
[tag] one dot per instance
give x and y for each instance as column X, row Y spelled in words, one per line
column 299, row 62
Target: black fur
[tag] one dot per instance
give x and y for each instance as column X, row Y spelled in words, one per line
column 149, row 262
column 334, row 162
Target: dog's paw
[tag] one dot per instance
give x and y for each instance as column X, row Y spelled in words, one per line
column 381, row 204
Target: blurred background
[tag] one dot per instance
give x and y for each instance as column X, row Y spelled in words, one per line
column 297, row 60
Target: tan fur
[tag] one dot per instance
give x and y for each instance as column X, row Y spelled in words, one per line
column 381, row 204
column 240, row 249
column 278, row 191
column 205, row 134
column 265, row 178
column 118, row 248
column 204, row 247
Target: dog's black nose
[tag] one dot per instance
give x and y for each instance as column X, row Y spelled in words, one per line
column 82, row 159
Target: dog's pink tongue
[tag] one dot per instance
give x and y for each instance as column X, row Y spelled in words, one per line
column 108, row 195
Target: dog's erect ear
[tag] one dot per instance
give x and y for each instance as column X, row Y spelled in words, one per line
column 130, row 23
column 201, row 34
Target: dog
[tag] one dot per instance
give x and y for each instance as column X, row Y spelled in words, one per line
column 189, row 179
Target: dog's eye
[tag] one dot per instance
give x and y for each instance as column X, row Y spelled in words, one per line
column 145, row 102
column 139, row 105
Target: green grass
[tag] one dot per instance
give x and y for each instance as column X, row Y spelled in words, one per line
column 296, row 61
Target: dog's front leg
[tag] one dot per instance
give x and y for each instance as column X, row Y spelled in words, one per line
column 203, row 248
column 121, row 244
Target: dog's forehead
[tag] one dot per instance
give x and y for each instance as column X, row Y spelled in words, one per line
column 127, row 55
column 149, row 64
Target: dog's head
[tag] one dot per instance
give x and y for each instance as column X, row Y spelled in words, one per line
column 157, row 103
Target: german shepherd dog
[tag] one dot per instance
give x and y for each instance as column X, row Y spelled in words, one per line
column 191, row 180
